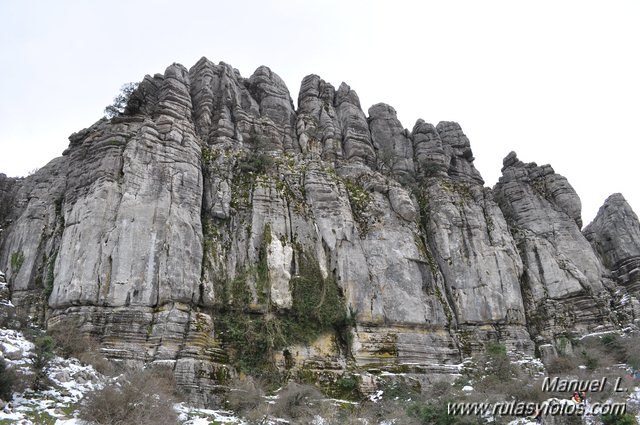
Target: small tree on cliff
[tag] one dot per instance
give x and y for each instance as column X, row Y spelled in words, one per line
column 126, row 102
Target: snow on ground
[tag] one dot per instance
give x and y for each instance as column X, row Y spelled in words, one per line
column 72, row 380
column 192, row 416
column 13, row 342
column 620, row 332
column 377, row 396
column 522, row 421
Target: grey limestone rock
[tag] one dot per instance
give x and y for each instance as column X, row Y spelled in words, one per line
column 318, row 127
column 28, row 245
column 394, row 148
column 476, row 253
column 430, row 158
column 356, row 137
column 8, row 187
column 276, row 105
column 147, row 184
column 615, row 237
column 565, row 286
column 470, row 241
column 458, row 152
column 211, row 200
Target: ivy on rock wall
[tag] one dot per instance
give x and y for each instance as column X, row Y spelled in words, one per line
column 254, row 336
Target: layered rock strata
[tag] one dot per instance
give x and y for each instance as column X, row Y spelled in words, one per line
column 564, row 286
column 615, row 237
column 213, row 228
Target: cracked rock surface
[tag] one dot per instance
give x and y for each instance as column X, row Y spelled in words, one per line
column 216, row 203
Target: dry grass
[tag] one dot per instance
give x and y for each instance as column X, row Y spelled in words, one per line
column 562, row 364
column 245, row 395
column 72, row 342
column 140, row 397
column 297, row 402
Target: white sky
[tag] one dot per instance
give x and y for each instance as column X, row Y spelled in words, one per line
column 556, row 81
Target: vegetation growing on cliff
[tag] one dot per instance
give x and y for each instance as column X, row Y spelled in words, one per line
column 128, row 101
column 17, row 258
column 253, row 337
column 359, row 199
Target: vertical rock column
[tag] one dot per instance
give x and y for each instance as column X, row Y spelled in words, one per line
column 615, row 236
column 564, row 282
column 394, row 149
column 470, row 241
column 31, row 235
column 318, row 128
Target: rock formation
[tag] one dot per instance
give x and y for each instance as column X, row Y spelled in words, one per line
column 565, row 287
column 213, row 228
column 615, row 237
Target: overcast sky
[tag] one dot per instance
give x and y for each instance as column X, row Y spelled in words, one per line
column 556, row 81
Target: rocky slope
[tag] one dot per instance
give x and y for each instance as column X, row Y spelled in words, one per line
column 214, row 228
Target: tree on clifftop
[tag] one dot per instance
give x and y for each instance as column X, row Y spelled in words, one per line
column 127, row 102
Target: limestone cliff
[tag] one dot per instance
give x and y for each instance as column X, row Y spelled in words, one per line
column 565, row 287
column 214, row 228
column 615, row 237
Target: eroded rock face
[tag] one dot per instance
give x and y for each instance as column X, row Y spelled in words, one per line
column 457, row 149
column 212, row 218
column 356, row 136
column 148, row 192
column 29, row 243
column 615, row 236
column 564, row 284
column 472, row 246
column 391, row 140
column 430, row 158
column 7, row 193
column 318, row 128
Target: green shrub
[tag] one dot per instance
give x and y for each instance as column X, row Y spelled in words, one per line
column 618, row 420
column 346, row 385
column 359, row 200
column 17, row 259
column 251, row 339
column 7, row 381
column 317, row 302
column 497, row 362
column 318, row 307
column 257, row 163
column 429, row 414
column 127, row 102
column 44, row 347
column 255, row 160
